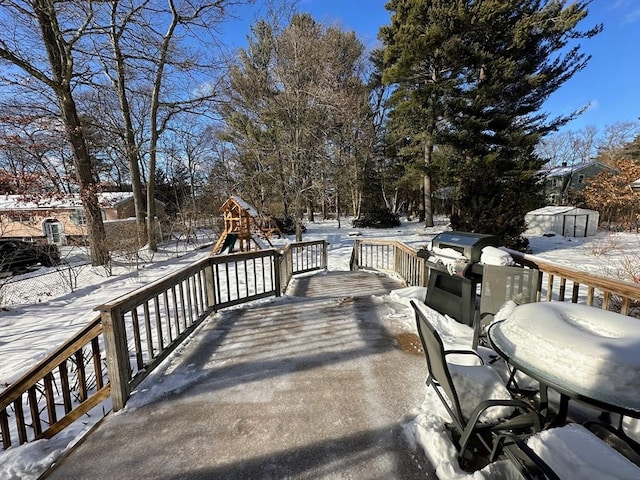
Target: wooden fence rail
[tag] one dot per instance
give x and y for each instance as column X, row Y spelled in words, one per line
column 134, row 333
column 557, row 283
column 70, row 382
column 301, row 257
column 391, row 257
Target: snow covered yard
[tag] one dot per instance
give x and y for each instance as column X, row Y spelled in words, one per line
column 28, row 332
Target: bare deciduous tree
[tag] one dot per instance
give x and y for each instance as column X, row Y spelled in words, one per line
column 51, row 61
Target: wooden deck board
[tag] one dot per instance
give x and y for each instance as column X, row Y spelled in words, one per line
column 295, row 388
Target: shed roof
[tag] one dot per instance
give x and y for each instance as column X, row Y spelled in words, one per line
column 561, row 210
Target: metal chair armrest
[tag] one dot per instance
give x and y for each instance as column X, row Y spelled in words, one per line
column 464, row 352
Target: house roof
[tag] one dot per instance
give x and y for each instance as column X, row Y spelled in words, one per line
column 60, row 202
column 564, row 171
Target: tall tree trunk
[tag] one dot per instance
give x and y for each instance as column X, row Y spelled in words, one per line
column 338, row 207
column 84, row 175
column 61, row 62
column 131, row 145
column 155, row 128
column 428, row 205
column 299, row 211
column 152, row 242
column 310, row 214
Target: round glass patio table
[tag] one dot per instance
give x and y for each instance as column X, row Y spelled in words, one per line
column 582, row 352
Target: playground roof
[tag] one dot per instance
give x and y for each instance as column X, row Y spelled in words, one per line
column 240, row 203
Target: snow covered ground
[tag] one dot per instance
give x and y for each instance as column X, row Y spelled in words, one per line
column 43, row 317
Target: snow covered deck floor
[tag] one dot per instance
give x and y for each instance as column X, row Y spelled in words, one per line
column 314, row 385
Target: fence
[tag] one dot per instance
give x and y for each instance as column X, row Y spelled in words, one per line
column 611, row 294
column 301, row 257
column 391, row 257
column 66, row 385
column 135, row 332
column 39, row 285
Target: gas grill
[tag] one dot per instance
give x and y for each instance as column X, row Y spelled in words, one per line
column 454, row 279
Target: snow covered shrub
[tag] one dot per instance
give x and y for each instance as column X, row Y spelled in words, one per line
column 601, row 246
column 287, row 225
column 382, row 218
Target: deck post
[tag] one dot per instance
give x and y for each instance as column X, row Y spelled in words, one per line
column 354, row 264
column 117, row 355
column 325, row 255
column 276, row 274
column 210, row 286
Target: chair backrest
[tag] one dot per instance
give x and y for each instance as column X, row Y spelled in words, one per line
column 437, row 365
column 500, row 284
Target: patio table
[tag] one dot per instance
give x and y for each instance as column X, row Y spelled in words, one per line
column 581, row 352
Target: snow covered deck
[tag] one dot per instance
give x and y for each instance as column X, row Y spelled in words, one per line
column 313, row 385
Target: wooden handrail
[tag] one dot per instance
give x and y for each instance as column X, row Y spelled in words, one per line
column 613, row 285
column 590, row 284
column 92, row 330
column 558, row 282
column 33, row 399
column 390, row 256
column 154, row 320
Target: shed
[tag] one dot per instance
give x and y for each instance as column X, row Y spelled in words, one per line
column 567, row 221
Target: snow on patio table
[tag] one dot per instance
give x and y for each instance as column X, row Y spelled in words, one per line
column 587, row 350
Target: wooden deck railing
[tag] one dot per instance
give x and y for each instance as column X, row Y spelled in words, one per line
column 301, row 257
column 135, row 332
column 390, row 257
column 556, row 281
column 567, row 284
column 70, row 382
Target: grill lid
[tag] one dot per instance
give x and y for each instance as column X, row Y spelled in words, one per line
column 468, row 244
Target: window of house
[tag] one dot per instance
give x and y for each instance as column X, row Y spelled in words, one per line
column 581, row 178
column 78, row 217
column 20, row 217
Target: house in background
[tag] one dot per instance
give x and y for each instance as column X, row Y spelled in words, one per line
column 62, row 219
column 559, row 181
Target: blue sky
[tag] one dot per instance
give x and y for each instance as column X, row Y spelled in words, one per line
column 609, row 85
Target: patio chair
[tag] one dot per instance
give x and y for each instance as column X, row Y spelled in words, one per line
column 570, row 451
column 502, row 285
column 499, row 285
column 492, row 410
column 616, row 438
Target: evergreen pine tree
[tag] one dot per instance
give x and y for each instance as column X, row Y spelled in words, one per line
column 477, row 73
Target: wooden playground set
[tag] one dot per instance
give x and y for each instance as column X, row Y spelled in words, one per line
column 245, row 226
